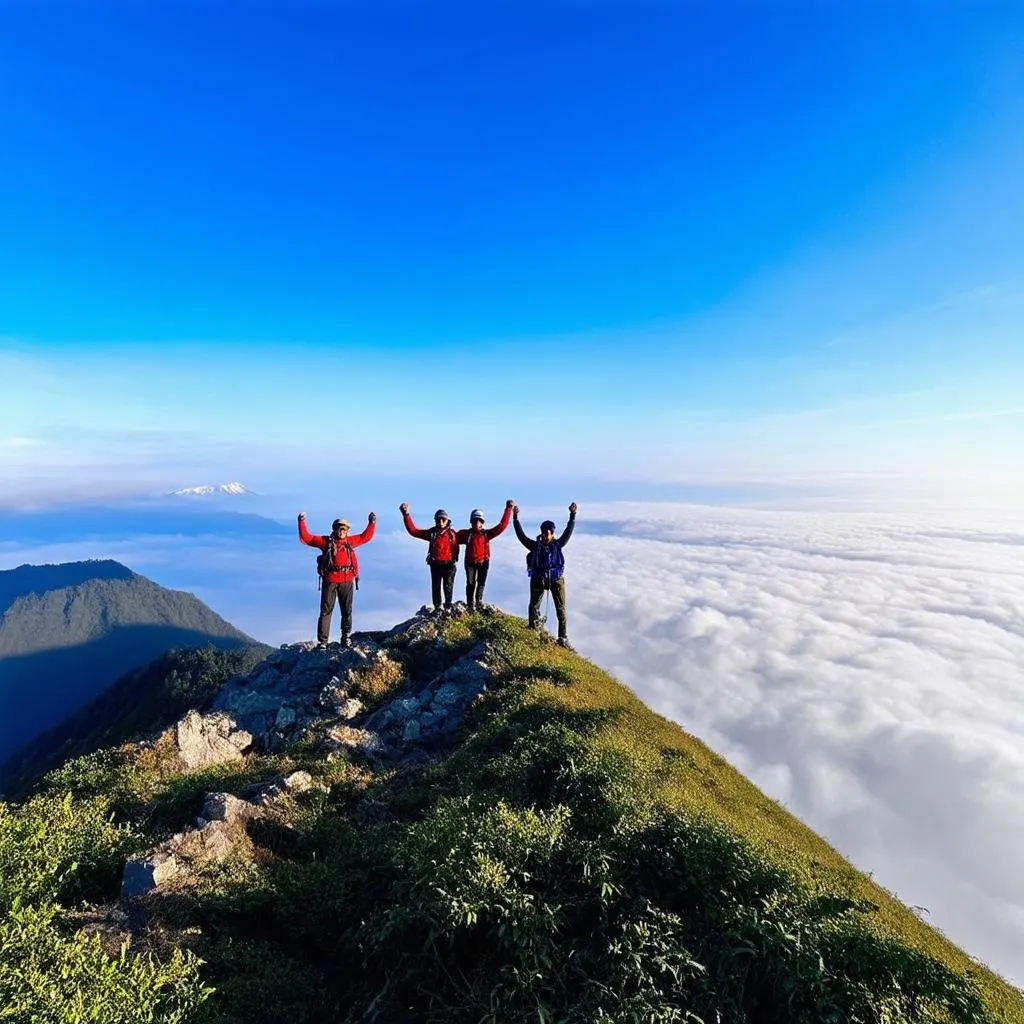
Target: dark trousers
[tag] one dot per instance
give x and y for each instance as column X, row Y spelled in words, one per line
column 442, row 573
column 557, row 588
column 476, row 580
column 329, row 592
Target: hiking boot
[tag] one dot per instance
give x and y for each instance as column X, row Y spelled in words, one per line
column 321, row 645
column 345, row 641
column 563, row 642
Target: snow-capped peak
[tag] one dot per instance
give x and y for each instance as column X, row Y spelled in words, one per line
column 205, row 490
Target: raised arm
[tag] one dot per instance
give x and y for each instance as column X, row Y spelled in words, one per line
column 367, row 535
column 312, row 539
column 567, row 532
column 497, row 531
column 527, row 542
column 410, row 527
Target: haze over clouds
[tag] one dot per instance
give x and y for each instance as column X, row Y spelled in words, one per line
column 863, row 668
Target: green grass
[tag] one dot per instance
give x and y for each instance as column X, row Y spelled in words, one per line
column 574, row 858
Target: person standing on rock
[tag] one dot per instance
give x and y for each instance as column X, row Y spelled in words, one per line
column 546, row 565
column 339, row 572
column 442, row 554
column 478, row 553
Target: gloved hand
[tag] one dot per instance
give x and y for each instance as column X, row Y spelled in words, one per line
column 572, row 509
column 515, row 511
column 372, row 517
column 510, row 503
column 404, row 508
column 302, row 515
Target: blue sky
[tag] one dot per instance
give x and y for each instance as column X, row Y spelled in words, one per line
column 668, row 242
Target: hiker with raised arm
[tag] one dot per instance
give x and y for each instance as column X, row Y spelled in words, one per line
column 546, row 565
column 478, row 553
column 442, row 554
column 338, row 569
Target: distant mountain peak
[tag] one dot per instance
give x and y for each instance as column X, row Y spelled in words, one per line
column 208, row 490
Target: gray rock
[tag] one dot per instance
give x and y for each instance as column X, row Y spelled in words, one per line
column 380, row 719
column 145, row 873
column 264, row 678
column 404, row 708
column 204, row 740
column 299, row 782
column 468, row 673
column 228, row 808
column 346, row 739
column 427, row 721
column 449, row 695
column 212, row 843
column 411, row 732
column 285, row 717
column 242, row 703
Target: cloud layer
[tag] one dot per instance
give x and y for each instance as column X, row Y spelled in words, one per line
column 864, row 669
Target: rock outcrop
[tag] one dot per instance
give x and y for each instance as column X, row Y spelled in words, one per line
column 204, row 740
column 362, row 702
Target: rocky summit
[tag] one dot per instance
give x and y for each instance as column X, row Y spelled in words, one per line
column 452, row 821
column 304, row 693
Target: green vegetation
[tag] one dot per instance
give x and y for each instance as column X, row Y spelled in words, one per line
column 143, row 701
column 573, row 858
column 55, row 851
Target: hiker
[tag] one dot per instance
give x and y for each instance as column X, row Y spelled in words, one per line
column 442, row 554
column 546, row 566
column 339, row 572
column 478, row 553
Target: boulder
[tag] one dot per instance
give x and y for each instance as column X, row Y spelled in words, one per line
column 404, row 708
column 204, row 740
column 449, row 695
column 346, row 739
column 299, row 782
column 263, row 793
column 145, row 873
column 244, row 702
column 228, row 808
column 212, row 843
column 411, row 732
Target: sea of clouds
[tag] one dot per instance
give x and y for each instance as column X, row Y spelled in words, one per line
column 865, row 669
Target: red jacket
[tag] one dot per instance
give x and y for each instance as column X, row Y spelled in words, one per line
column 478, row 542
column 349, row 569
column 445, row 548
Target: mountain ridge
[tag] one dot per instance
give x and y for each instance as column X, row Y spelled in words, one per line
column 459, row 819
column 61, row 646
column 234, row 488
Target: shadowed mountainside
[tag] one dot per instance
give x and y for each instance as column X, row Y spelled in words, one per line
column 69, row 631
column 143, row 701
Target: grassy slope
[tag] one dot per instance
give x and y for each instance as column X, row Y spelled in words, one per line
column 507, row 870
column 693, row 778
